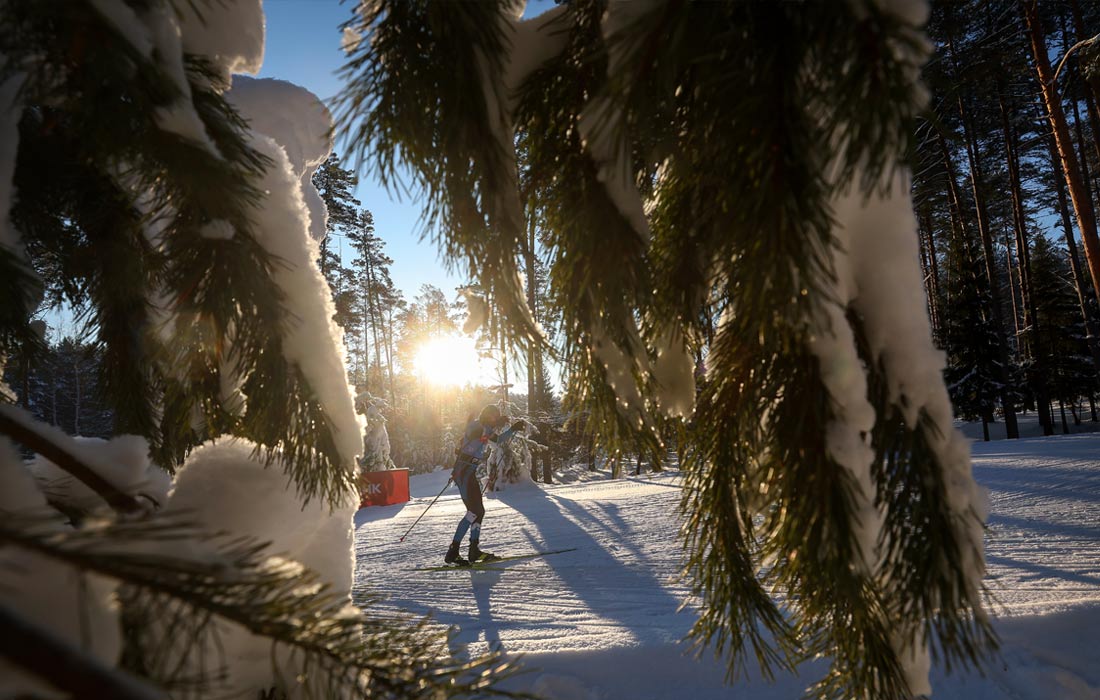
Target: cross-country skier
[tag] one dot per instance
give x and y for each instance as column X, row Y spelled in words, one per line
column 478, row 433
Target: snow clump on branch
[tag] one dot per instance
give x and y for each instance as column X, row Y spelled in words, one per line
column 296, row 137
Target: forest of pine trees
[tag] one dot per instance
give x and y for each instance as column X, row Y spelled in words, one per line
column 1004, row 171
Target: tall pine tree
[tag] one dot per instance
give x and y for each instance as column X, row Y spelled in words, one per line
column 336, row 186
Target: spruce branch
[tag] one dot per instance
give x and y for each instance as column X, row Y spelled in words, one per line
column 568, row 201
column 743, row 124
column 926, row 547
column 21, row 288
column 124, row 227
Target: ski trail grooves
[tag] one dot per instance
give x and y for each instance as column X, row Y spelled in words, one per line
column 1043, row 542
column 601, row 622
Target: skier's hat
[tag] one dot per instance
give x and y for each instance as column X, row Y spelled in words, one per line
column 490, row 415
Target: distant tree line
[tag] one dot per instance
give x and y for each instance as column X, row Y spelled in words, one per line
column 62, row 386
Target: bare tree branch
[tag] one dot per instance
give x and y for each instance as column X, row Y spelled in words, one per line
column 1078, row 45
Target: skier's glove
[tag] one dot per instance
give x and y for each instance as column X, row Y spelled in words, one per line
column 519, row 425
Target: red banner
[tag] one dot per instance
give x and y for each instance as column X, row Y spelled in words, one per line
column 383, row 488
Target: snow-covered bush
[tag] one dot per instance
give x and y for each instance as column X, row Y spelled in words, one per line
column 376, row 439
column 512, row 461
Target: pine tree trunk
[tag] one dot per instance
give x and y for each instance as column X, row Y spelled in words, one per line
column 959, row 231
column 1086, row 177
column 533, row 399
column 368, row 318
column 364, row 348
column 372, row 300
column 934, row 271
column 1019, row 220
column 1012, row 429
column 25, row 380
column 1092, row 338
column 926, row 273
column 389, row 355
column 323, row 262
column 504, row 362
column 1012, row 289
column 976, row 177
column 77, row 399
column 926, row 276
column 1082, row 206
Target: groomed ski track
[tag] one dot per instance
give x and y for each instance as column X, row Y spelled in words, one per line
column 602, row 622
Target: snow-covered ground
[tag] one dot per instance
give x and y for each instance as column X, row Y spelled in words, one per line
column 601, row 622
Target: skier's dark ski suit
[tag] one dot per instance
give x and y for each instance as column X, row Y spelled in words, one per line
column 478, row 433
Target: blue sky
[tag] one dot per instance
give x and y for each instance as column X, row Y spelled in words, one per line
column 303, row 47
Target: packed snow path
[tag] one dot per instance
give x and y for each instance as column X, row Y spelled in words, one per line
column 602, row 621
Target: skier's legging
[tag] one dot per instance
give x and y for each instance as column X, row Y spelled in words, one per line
column 465, row 476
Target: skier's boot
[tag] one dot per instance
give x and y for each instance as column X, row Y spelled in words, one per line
column 451, row 557
column 477, row 555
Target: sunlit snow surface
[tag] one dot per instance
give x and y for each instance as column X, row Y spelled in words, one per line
column 601, row 622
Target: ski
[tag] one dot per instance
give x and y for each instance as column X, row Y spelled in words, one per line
column 490, row 563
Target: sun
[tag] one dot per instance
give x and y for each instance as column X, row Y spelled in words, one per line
column 448, row 361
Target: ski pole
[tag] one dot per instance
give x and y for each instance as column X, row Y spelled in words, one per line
column 425, row 511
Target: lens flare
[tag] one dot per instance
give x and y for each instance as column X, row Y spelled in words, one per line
column 449, row 361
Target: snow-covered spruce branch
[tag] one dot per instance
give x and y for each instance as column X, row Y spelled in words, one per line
column 189, row 600
column 58, row 447
column 206, row 220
